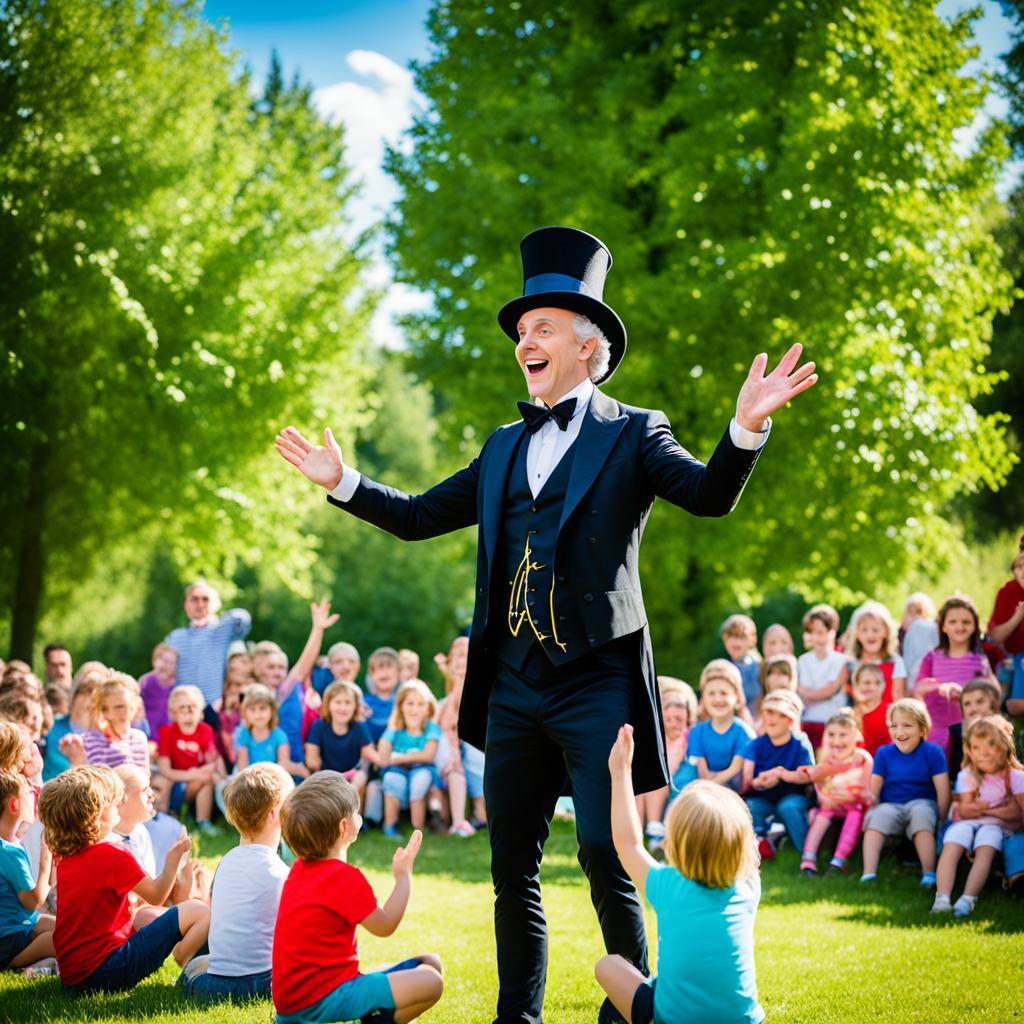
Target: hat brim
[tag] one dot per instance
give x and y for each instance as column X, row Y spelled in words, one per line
column 576, row 302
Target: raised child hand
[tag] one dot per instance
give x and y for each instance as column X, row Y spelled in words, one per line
column 179, row 850
column 401, row 863
column 321, row 613
column 621, row 756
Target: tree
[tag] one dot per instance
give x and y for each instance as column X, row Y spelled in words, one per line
column 177, row 284
column 762, row 173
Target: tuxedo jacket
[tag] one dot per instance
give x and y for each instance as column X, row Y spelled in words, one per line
column 623, row 458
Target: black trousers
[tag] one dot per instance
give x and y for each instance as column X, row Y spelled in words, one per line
column 543, row 723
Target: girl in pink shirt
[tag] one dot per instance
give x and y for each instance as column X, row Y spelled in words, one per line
column 957, row 660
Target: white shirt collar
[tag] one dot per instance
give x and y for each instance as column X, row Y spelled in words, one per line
column 583, row 392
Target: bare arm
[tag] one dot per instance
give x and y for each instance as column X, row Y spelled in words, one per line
column 384, row 920
column 284, row 759
column 748, row 776
column 627, row 834
column 156, row 890
column 313, row 761
column 876, row 787
column 941, row 783
column 35, row 898
column 424, row 756
column 322, row 621
column 176, row 774
column 999, row 632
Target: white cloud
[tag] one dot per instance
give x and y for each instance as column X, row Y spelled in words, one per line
column 375, row 113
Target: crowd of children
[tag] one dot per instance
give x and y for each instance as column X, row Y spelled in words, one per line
column 873, row 737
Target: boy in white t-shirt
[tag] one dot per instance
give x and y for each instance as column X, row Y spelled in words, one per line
column 819, row 670
column 246, row 892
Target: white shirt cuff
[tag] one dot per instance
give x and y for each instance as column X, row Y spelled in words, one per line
column 347, row 486
column 750, row 440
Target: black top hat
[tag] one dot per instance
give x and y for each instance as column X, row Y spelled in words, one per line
column 565, row 268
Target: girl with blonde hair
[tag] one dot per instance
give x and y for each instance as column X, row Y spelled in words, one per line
column 705, row 899
column 988, row 809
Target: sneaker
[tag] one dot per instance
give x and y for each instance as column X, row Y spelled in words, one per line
column 463, row 830
column 808, row 867
column 208, row 828
column 870, row 877
column 765, row 848
column 927, row 880
column 478, row 825
column 837, row 866
column 46, row 968
column 964, row 906
column 941, row 904
column 391, row 832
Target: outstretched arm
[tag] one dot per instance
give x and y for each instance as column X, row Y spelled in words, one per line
column 449, row 505
column 627, row 834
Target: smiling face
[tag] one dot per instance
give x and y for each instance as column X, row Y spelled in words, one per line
column 257, row 717
column 868, row 687
column 274, row 670
column 818, row 637
column 737, row 645
column 905, row 732
column 871, row 634
column 58, row 667
column 414, row 710
column 987, row 755
column 137, row 805
column 384, row 673
column 552, row 358
column 343, row 666
column 839, row 742
column 959, row 626
column 719, row 699
column 342, row 708
column 165, row 661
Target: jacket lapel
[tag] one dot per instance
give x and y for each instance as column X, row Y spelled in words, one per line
column 498, row 463
column 602, row 424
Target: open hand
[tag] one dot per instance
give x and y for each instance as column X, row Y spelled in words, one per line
column 322, row 465
column 763, row 395
column 621, row 756
column 321, row 613
column 401, row 863
column 73, row 748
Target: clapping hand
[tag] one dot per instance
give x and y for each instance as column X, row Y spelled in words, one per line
column 322, row 465
column 401, row 863
column 763, row 395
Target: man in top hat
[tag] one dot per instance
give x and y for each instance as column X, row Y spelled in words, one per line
column 560, row 655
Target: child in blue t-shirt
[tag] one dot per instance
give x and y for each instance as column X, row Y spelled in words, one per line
column 739, row 638
column 910, row 784
column 26, row 936
column 336, row 741
column 705, row 899
column 715, row 745
column 407, row 750
column 383, row 672
column 772, row 786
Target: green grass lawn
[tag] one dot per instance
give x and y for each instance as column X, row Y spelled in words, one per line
column 827, row 949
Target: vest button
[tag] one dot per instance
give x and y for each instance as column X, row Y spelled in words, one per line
column 561, row 618
column 588, row 597
column 561, row 579
column 483, row 590
column 590, row 638
column 593, row 511
column 533, row 508
column 591, row 540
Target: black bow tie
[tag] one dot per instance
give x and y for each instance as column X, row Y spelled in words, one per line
column 535, row 416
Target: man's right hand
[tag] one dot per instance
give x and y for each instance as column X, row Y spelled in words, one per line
column 322, row 465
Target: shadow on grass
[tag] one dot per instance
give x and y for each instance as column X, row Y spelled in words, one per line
column 45, row 1000
column 895, row 900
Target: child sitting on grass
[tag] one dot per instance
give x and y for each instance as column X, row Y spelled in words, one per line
column 771, row 789
column 96, row 947
column 337, row 741
column 188, row 755
column 407, row 750
column 705, row 898
column 911, row 787
column 26, row 936
column 246, row 892
column 112, row 740
column 868, row 690
column 989, row 802
column 716, row 743
column 980, row 697
column 326, row 898
column 841, row 780
column 739, row 638
column 78, row 720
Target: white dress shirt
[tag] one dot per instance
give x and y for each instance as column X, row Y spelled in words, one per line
column 550, row 443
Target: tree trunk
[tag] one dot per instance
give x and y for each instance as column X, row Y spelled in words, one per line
column 28, row 580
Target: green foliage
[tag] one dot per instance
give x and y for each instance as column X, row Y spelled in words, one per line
column 177, row 285
column 763, row 174
column 818, row 945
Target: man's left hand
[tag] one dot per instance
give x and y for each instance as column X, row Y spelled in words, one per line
column 762, row 395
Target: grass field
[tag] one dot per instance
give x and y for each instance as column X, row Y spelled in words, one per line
column 828, row 950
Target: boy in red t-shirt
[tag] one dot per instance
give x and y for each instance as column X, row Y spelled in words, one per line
column 93, row 938
column 316, row 976
column 188, row 756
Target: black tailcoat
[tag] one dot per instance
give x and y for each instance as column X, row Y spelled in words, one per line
column 624, row 458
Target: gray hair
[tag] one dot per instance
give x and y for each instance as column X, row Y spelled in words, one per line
column 597, row 364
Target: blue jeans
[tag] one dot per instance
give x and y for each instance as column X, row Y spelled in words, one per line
column 791, row 810
column 204, row 987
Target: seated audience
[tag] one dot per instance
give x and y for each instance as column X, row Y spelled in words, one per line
column 715, row 745
column 739, row 638
column 155, row 687
column 820, row 671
